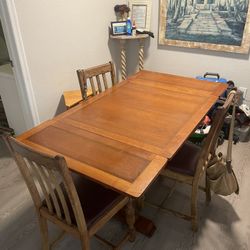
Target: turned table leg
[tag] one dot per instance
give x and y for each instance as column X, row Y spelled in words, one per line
column 130, row 218
column 123, row 39
column 123, row 60
column 141, row 54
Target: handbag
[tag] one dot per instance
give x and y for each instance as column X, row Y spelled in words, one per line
column 220, row 175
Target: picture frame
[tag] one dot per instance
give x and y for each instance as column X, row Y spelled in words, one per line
column 224, row 27
column 141, row 13
column 118, row 28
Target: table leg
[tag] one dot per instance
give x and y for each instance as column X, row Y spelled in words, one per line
column 140, row 202
column 130, row 218
column 136, row 222
column 141, row 54
column 142, row 224
column 123, row 60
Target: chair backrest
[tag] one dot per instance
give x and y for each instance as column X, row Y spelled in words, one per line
column 209, row 148
column 50, row 184
column 96, row 77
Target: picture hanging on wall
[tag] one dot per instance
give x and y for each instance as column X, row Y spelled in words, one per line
column 221, row 25
column 141, row 13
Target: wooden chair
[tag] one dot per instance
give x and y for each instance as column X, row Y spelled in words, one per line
column 96, row 76
column 78, row 206
column 190, row 162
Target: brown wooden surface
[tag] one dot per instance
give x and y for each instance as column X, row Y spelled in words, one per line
column 64, row 201
column 126, row 37
column 97, row 77
column 123, row 137
column 73, row 97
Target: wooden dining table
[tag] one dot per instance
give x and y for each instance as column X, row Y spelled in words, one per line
column 123, row 137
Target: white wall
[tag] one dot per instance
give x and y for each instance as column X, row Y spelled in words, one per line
column 60, row 37
column 193, row 62
column 11, row 101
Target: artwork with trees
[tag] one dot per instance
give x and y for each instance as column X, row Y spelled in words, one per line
column 211, row 24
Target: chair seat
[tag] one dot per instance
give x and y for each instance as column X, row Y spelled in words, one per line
column 94, row 198
column 185, row 160
column 73, row 97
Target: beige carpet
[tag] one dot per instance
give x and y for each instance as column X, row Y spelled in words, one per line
column 224, row 224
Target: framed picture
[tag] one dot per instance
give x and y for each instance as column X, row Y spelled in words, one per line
column 118, row 28
column 221, row 25
column 141, row 13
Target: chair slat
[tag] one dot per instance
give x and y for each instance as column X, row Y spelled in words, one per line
column 92, row 85
column 29, row 180
column 51, row 191
column 96, row 72
column 37, row 174
column 60, row 196
column 105, row 81
column 99, row 85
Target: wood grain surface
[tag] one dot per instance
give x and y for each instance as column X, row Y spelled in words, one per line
column 124, row 136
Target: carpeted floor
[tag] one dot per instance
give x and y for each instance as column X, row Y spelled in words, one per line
column 224, row 224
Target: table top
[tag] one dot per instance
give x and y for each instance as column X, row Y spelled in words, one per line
column 123, row 137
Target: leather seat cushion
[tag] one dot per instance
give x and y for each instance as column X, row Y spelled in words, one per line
column 94, row 198
column 186, row 159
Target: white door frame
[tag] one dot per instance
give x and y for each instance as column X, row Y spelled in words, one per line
column 21, row 71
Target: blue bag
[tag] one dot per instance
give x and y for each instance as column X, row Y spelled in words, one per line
column 215, row 77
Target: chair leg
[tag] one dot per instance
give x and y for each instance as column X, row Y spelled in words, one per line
column 194, row 208
column 44, row 233
column 84, row 243
column 130, row 218
column 208, row 191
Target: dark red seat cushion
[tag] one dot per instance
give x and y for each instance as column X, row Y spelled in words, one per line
column 94, row 198
column 186, row 159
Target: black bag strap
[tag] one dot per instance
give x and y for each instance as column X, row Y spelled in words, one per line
column 230, row 140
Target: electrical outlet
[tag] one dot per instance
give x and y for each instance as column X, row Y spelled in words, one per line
column 244, row 91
